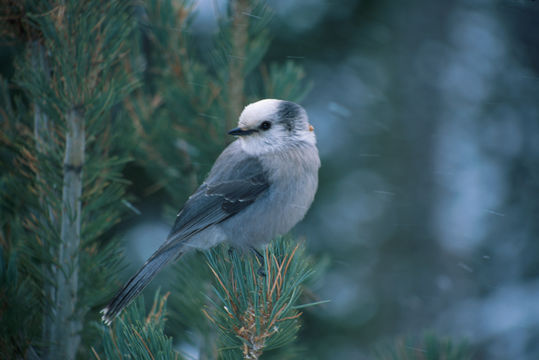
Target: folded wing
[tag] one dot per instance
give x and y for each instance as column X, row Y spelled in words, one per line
column 229, row 189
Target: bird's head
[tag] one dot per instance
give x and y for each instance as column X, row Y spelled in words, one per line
column 270, row 124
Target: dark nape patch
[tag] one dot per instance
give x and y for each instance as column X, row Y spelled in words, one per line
column 287, row 113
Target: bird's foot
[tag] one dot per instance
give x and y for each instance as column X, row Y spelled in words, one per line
column 261, row 271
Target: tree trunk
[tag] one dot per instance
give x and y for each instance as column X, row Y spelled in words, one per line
column 67, row 322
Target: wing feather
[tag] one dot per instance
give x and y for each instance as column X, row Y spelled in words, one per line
column 221, row 196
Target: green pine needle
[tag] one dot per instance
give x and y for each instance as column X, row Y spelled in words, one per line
column 255, row 313
column 139, row 336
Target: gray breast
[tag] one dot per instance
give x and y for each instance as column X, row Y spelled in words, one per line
column 293, row 178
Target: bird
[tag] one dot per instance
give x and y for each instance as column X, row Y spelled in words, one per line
column 260, row 186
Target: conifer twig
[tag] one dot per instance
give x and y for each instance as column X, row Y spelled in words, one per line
column 254, row 314
column 68, row 324
column 139, row 335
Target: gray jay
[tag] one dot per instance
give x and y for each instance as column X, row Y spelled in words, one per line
column 260, row 186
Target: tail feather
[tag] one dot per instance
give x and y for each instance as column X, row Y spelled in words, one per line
column 138, row 282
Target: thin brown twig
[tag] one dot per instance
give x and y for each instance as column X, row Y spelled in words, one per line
column 290, row 259
column 291, row 317
column 212, row 319
column 269, row 267
column 95, row 353
column 220, row 282
column 144, row 343
column 277, row 276
column 276, row 317
column 156, row 314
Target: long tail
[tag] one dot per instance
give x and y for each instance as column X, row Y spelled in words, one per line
column 139, row 281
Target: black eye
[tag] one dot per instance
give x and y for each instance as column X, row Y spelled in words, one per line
column 266, row 125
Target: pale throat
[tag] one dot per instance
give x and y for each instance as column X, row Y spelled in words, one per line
column 255, row 146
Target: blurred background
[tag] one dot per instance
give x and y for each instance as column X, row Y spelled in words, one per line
column 427, row 118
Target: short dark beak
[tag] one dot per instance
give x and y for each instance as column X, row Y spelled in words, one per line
column 241, row 132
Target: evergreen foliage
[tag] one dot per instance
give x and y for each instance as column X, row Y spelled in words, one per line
column 19, row 293
column 138, row 336
column 18, row 323
column 62, row 193
column 256, row 310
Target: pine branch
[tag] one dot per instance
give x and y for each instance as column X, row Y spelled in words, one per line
column 74, row 76
column 67, row 322
column 252, row 313
column 136, row 336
